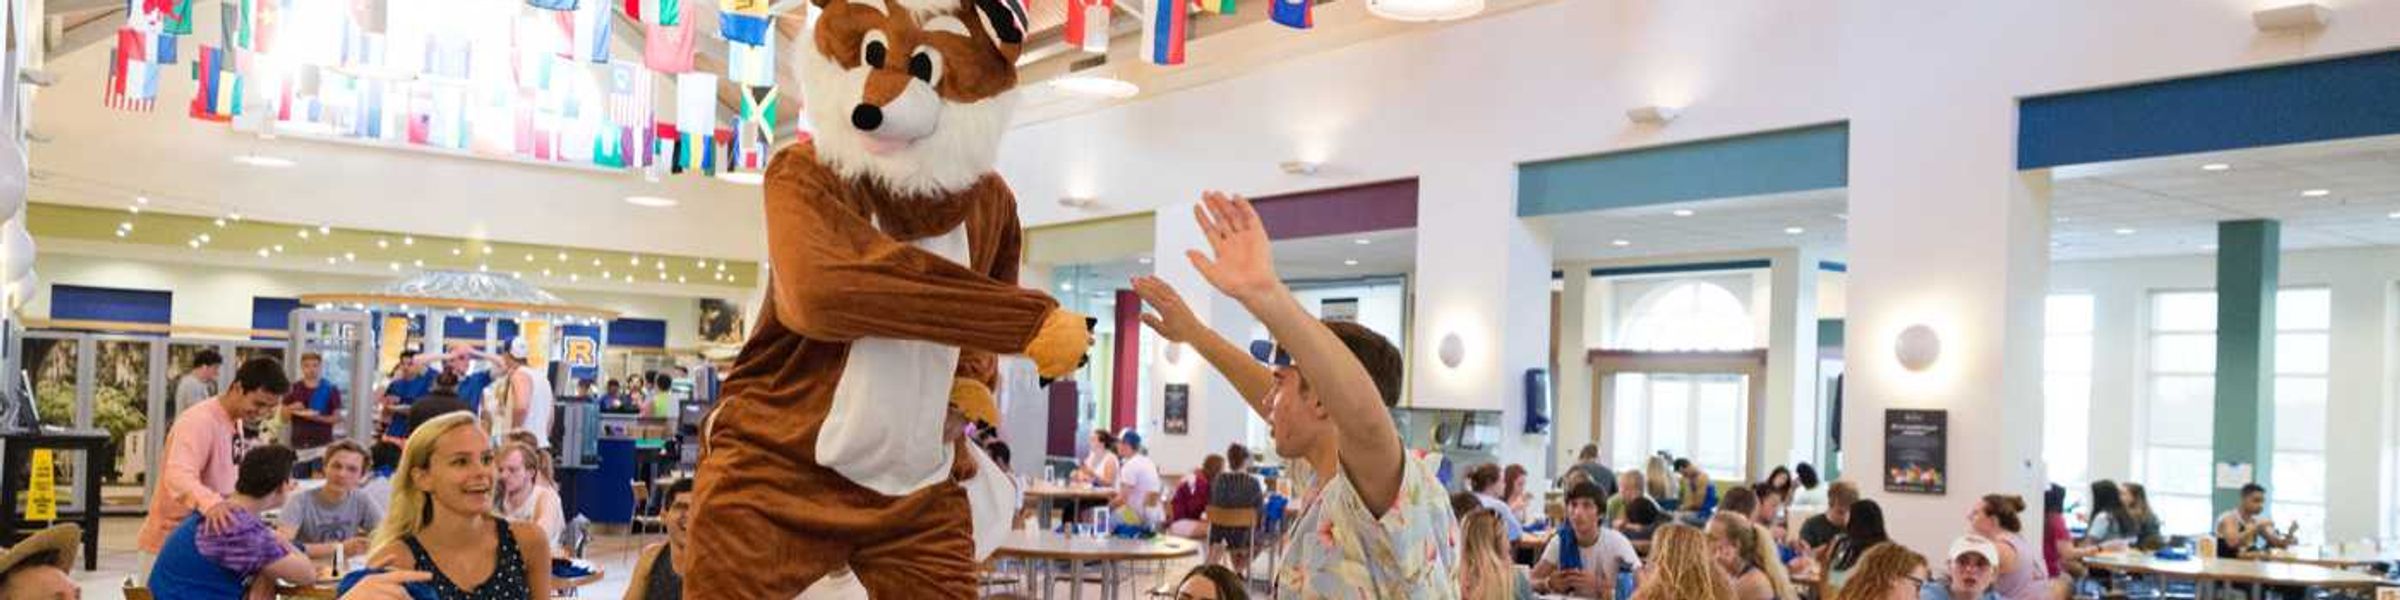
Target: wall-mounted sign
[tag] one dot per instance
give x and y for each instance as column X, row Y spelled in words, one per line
column 1916, row 451
column 582, row 355
column 1179, row 408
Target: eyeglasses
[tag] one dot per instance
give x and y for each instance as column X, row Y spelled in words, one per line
column 1914, row 581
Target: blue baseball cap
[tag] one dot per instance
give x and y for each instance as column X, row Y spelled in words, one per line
column 1130, row 437
column 1270, row 353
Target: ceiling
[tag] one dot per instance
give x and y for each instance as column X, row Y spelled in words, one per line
column 1330, row 257
column 2172, row 205
column 1704, row 227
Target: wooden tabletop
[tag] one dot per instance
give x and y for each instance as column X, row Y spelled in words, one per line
column 321, row 591
column 2329, row 557
column 1536, row 540
column 2233, row 570
column 1044, row 490
column 1026, row 543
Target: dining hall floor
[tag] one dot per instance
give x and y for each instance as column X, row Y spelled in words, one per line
column 613, row 553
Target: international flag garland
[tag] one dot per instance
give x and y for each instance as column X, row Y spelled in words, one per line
column 132, row 83
column 1215, row 7
column 1087, row 24
column 1296, row 14
column 743, row 28
column 752, row 65
column 656, row 12
column 218, row 97
column 1164, row 32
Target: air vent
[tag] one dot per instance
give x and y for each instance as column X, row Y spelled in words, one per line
column 1087, row 63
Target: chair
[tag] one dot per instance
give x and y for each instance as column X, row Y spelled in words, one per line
column 133, row 592
column 1233, row 519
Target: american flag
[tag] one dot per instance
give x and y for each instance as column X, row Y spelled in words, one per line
column 132, row 83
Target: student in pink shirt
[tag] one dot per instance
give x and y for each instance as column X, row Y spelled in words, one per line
column 198, row 470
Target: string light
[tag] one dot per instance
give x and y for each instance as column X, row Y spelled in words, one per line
column 408, row 240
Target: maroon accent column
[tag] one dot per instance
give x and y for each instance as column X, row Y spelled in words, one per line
column 1361, row 208
column 1128, row 388
column 1063, row 424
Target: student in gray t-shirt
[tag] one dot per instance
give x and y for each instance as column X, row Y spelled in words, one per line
column 200, row 383
column 335, row 515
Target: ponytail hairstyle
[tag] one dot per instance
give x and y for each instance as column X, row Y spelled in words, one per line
column 2003, row 510
column 1754, row 550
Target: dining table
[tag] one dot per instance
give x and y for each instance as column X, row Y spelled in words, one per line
column 1049, row 493
column 1108, row 553
column 2210, row 573
column 2338, row 557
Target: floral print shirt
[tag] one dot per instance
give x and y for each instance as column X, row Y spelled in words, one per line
column 1336, row 548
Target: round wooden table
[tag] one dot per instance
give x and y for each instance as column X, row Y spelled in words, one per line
column 2256, row 574
column 1075, row 550
column 1050, row 493
column 2329, row 557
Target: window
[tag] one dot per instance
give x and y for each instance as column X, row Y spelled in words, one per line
column 2177, row 460
column 1688, row 315
column 2067, row 386
column 1701, row 417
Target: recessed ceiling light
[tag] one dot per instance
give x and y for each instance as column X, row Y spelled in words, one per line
column 2125, row 231
column 483, row 268
column 237, row 217
column 394, row 266
column 608, row 274
column 419, row 263
column 205, row 239
column 142, row 200
column 220, row 222
column 383, row 244
column 2208, row 246
column 1683, row 212
column 545, row 272
column 744, row 177
column 1066, row 287
column 628, row 278
column 260, row 160
column 1352, row 263
column 325, row 229
column 650, row 201
column 279, row 248
column 700, row 263
column 125, row 225
column 1620, row 243
column 262, row 253
column 720, row 265
column 1146, row 260
column 635, row 261
column 2315, row 193
column 1362, row 241
column 408, row 240
column 134, row 209
column 350, row 256
column 595, row 262
column 120, row 233
column 304, row 234
column 529, row 257
column 457, row 252
column 2395, row 215
column 2215, row 167
column 679, row 279
column 1097, row 86
column 1794, row 230
column 487, row 249
column 574, row 277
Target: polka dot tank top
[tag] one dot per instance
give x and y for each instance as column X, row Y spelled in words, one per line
column 508, row 572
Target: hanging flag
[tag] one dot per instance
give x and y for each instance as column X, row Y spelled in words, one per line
column 747, row 64
column 178, row 22
column 758, row 111
column 656, row 12
column 591, row 30
column 1164, row 31
column 747, row 7
column 629, row 107
column 1087, row 24
column 1294, row 13
column 668, row 49
column 557, row 5
column 1215, row 7
column 741, row 28
column 132, row 83
column 696, row 102
column 214, row 100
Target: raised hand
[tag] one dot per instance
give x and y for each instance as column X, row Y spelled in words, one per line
column 1172, row 320
column 1240, row 261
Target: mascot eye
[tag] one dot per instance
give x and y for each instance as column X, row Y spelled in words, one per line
column 873, row 55
column 922, row 65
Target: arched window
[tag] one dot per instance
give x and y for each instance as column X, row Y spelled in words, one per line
column 1687, row 316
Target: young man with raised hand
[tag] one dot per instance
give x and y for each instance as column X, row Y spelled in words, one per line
column 1381, row 520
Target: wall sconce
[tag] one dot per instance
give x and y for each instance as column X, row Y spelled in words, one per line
column 1918, row 347
column 1299, row 167
column 2305, row 16
column 1174, row 354
column 1452, row 351
column 1653, row 115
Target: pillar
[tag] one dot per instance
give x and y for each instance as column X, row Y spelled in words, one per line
column 1218, row 415
column 1483, row 275
column 1790, row 404
column 1576, row 400
column 2249, row 262
column 1944, row 232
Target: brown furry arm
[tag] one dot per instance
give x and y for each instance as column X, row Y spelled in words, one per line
column 835, row 277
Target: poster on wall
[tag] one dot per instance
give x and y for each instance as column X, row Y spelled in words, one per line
column 720, row 322
column 1179, row 408
column 1338, row 309
column 1916, row 448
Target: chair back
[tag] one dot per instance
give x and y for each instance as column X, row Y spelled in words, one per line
column 133, row 592
column 1232, row 518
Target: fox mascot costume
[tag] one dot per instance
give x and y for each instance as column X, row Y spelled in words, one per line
column 893, row 250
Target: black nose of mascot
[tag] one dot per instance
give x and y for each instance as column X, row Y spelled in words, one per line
column 866, row 117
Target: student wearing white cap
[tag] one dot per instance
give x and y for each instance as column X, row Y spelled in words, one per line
column 522, row 400
column 1970, row 577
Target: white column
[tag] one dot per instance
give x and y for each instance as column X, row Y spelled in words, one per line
column 1945, row 233
column 1576, row 401
column 1218, row 415
column 2356, row 412
column 1482, row 275
column 2117, row 322
column 1791, row 362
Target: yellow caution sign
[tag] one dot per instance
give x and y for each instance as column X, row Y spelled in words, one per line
column 41, row 491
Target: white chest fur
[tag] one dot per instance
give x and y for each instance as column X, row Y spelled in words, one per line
column 884, row 430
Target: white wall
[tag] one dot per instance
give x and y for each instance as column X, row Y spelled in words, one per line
column 2360, row 379
column 219, row 296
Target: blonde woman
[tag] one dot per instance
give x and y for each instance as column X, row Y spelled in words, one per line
column 1484, row 569
column 441, row 519
column 1680, row 568
column 526, row 496
column 1887, row 572
column 1660, row 478
column 1743, row 552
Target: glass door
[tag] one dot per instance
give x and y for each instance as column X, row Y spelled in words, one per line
column 58, row 365
column 1700, row 416
column 345, row 342
column 123, row 390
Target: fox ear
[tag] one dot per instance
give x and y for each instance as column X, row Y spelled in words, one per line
column 1005, row 19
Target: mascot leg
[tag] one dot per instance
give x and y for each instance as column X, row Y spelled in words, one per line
column 756, row 540
column 930, row 555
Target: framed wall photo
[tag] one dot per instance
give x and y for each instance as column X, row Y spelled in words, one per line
column 1179, row 408
column 1916, row 451
column 1338, row 309
column 721, row 322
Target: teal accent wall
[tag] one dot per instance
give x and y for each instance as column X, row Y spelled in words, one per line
column 1792, row 160
column 1829, row 333
column 2249, row 257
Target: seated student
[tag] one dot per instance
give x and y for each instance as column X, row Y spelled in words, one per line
column 441, row 520
column 1135, row 503
column 525, row 494
column 1744, row 554
column 1236, row 488
column 1186, row 507
column 1327, row 399
column 1698, row 500
column 37, row 568
column 1488, row 484
column 1970, row 578
column 658, row 574
column 2246, row 528
column 1681, row 569
column 1864, row 533
column 1889, row 572
column 335, row 518
column 1207, row 582
column 1599, row 555
column 2112, row 522
column 378, row 488
column 1483, row 560
column 1632, row 511
column 1820, row 530
column 243, row 557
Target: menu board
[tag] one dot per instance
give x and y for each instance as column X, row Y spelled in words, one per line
column 1916, row 451
column 1179, row 408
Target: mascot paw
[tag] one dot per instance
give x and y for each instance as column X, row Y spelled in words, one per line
column 974, row 401
column 1058, row 349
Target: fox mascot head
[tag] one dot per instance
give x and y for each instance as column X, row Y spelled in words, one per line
column 912, row 94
